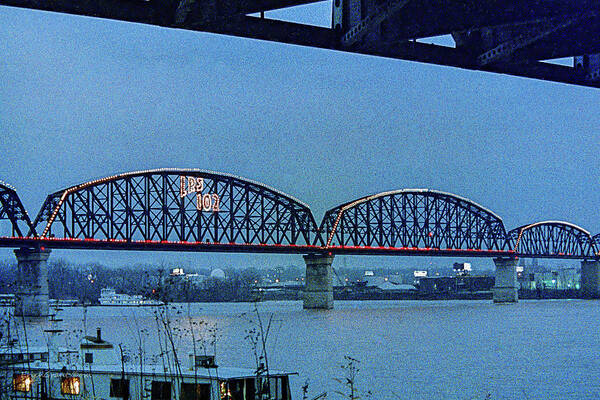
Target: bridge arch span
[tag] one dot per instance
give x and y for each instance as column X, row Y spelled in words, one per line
column 177, row 206
column 12, row 210
column 555, row 239
column 414, row 219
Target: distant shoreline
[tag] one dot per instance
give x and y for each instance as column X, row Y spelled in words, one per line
column 546, row 294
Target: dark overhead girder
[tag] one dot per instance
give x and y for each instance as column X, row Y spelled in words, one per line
column 253, row 6
column 578, row 32
column 273, row 30
column 425, row 18
column 156, row 12
column 579, row 38
column 305, row 35
column 527, row 37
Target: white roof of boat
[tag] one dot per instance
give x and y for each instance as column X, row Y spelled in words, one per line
column 156, row 370
column 23, row 349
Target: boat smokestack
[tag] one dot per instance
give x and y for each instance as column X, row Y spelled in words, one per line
column 99, row 334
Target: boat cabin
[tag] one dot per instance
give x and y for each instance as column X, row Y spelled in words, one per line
column 98, row 372
column 11, row 354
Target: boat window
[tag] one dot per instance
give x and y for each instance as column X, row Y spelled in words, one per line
column 22, row 382
column 43, row 389
column 119, row 388
column 250, row 389
column 161, row 390
column 224, row 389
column 275, row 388
column 195, row 391
column 285, row 388
column 232, row 390
column 279, row 388
column 89, row 358
column 69, row 385
column 236, row 389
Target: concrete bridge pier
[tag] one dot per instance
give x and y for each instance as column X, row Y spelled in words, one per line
column 505, row 287
column 318, row 290
column 32, row 283
column 590, row 279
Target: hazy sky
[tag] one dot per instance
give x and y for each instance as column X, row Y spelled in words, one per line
column 83, row 98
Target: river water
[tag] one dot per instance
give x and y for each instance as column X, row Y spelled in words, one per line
column 405, row 349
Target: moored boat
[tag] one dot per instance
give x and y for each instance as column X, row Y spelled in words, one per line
column 99, row 371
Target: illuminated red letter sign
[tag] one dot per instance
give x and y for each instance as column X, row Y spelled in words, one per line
column 204, row 202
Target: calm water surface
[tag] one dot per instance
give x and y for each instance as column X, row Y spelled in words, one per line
column 407, row 349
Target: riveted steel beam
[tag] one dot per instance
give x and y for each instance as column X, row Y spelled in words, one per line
column 525, row 38
column 375, row 18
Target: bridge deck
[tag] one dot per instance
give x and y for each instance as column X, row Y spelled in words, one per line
column 93, row 244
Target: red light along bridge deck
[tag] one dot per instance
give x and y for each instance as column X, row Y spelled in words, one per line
column 141, row 245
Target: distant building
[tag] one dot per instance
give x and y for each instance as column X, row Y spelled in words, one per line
column 536, row 277
column 420, row 274
column 217, row 273
column 178, row 273
column 561, row 279
column 462, row 268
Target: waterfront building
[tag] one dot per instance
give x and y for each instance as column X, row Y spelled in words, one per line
column 536, row 277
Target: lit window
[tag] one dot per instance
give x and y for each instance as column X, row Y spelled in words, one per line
column 225, row 393
column 22, row 383
column 69, row 385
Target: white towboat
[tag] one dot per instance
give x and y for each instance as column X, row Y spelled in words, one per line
column 98, row 371
column 110, row 297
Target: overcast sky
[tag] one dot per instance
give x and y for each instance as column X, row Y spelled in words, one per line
column 83, row 98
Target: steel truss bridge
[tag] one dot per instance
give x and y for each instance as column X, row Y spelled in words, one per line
column 509, row 37
column 204, row 211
